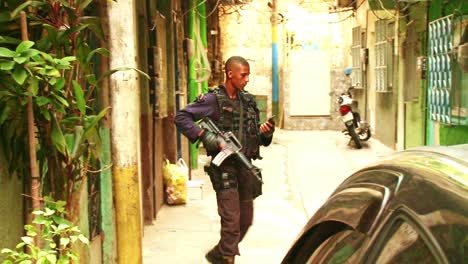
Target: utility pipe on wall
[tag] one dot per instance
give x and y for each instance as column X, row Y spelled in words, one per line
column 125, row 127
column 274, row 59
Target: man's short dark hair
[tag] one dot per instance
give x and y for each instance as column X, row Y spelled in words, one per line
column 235, row 60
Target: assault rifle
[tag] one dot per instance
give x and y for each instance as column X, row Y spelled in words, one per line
column 232, row 147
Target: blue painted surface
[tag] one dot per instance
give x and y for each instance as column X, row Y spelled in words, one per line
column 275, row 82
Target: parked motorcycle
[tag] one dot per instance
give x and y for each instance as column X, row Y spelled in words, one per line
column 356, row 128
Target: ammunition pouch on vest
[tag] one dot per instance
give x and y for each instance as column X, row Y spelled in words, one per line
column 219, row 179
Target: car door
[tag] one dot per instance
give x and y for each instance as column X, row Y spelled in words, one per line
column 404, row 239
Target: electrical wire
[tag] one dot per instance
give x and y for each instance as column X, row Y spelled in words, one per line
column 211, row 12
column 194, row 8
column 352, row 14
column 341, row 20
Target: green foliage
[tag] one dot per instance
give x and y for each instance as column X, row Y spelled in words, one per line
column 56, row 234
column 55, row 69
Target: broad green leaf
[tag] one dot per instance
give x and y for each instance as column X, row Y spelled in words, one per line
column 46, row 114
column 60, row 206
column 30, row 53
column 4, row 16
column 33, row 86
column 38, row 212
column 94, row 138
column 51, row 32
column 61, row 99
column 63, row 226
column 85, row 4
column 20, row 245
column 6, row 250
column 47, row 57
column 27, row 240
column 64, row 241
column 5, row 114
column 83, row 239
column 20, row 60
column 91, row 79
column 77, row 142
column 15, row 12
column 59, row 84
column 4, row 52
column 24, row 45
column 110, row 72
column 19, row 74
column 101, row 51
column 64, row 3
column 41, row 100
column 9, row 40
column 93, row 120
column 79, row 97
column 57, row 138
column 53, row 72
column 49, row 212
column 68, row 59
column 6, row 65
column 52, row 258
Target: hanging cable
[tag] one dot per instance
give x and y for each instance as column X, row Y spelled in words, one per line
column 211, row 12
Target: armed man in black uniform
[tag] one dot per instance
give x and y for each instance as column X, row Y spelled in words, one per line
column 233, row 109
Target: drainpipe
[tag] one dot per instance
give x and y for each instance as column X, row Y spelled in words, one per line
column 125, row 127
column 274, row 60
column 400, row 97
column 193, row 86
column 105, row 180
column 202, row 31
column 197, row 84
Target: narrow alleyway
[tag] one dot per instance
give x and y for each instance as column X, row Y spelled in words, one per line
column 300, row 168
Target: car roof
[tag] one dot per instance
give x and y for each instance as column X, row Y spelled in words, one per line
column 451, row 161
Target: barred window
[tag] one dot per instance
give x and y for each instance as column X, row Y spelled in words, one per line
column 384, row 33
column 445, row 87
column 357, row 76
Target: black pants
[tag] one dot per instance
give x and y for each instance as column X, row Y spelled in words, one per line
column 236, row 218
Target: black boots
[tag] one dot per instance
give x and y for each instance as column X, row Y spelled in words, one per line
column 215, row 257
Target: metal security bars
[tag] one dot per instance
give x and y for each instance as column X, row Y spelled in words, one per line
column 383, row 55
column 356, row 77
column 440, row 69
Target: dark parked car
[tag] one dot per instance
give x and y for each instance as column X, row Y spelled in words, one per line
column 411, row 207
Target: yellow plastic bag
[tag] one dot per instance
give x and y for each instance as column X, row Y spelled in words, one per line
column 175, row 182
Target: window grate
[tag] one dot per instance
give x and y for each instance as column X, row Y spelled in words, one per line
column 383, row 55
column 440, row 69
column 357, row 76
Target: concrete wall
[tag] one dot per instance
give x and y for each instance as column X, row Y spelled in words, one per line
column 247, row 32
column 381, row 107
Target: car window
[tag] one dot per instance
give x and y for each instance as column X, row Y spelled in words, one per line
column 340, row 248
column 404, row 244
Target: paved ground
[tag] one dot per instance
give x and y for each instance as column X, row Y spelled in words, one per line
column 300, row 170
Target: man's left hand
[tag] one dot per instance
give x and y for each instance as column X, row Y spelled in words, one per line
column 267, row 129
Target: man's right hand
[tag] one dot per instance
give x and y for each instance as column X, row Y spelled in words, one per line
column 212, row 142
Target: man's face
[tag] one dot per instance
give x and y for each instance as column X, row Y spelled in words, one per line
column 239, row 76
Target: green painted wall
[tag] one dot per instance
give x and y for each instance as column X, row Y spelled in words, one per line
column 415, row 111
column 455, row 134
column 11, row 204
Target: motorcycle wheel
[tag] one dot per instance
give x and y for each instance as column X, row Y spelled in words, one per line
column 354, row 136
column 364, row 136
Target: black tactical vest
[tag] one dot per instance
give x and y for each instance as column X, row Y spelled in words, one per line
column 230, row 119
